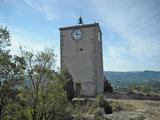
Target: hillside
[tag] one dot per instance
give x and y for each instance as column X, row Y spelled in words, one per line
column 138, row 77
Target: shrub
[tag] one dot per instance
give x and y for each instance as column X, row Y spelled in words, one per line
column 107, row 86
column 99, row 112
column 68, row 86
column 101, row 102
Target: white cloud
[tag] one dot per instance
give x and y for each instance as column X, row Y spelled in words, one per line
column 29, row 41
column 136, row 22
column 44, row 7
column 25, row 38
column 114, row 60
column 59, row 9
column 143, row 47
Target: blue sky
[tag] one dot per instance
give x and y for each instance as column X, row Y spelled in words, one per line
column 131, row 28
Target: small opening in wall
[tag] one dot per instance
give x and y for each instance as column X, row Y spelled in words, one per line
column 78, row 89
column 81, row 49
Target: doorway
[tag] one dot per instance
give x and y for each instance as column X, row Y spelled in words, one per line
column 78, row 89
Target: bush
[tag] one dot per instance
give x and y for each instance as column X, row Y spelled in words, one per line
column 101, row 102
column 99, row 112
column 68, row 86
column 107, row 86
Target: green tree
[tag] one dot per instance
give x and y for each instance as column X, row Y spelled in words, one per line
column 30, row 88
column 11, row 76
column 43, row 89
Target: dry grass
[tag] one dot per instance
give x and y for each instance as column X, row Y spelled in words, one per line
column 150, row 107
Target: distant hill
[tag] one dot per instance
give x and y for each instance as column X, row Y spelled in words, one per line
column 136, row 77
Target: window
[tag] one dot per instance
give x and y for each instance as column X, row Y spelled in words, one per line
column 78, row 89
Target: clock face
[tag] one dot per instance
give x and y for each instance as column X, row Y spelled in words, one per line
column 77, row 34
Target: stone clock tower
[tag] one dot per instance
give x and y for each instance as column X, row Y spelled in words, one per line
column 81, row 54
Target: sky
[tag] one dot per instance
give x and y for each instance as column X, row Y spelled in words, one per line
column 131, row 28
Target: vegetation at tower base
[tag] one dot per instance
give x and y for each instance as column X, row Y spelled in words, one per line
column 68, row 86
column 107, row 86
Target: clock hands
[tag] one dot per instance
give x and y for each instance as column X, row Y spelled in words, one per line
column 77, row 33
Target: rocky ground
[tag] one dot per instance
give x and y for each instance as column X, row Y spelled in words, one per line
column 128, row 115
column 125, row 109
column 135, row 110
column 124, row 115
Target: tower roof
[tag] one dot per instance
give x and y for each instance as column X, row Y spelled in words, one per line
column 81, row 26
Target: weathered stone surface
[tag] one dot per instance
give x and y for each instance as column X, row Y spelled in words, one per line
column 83, row 58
